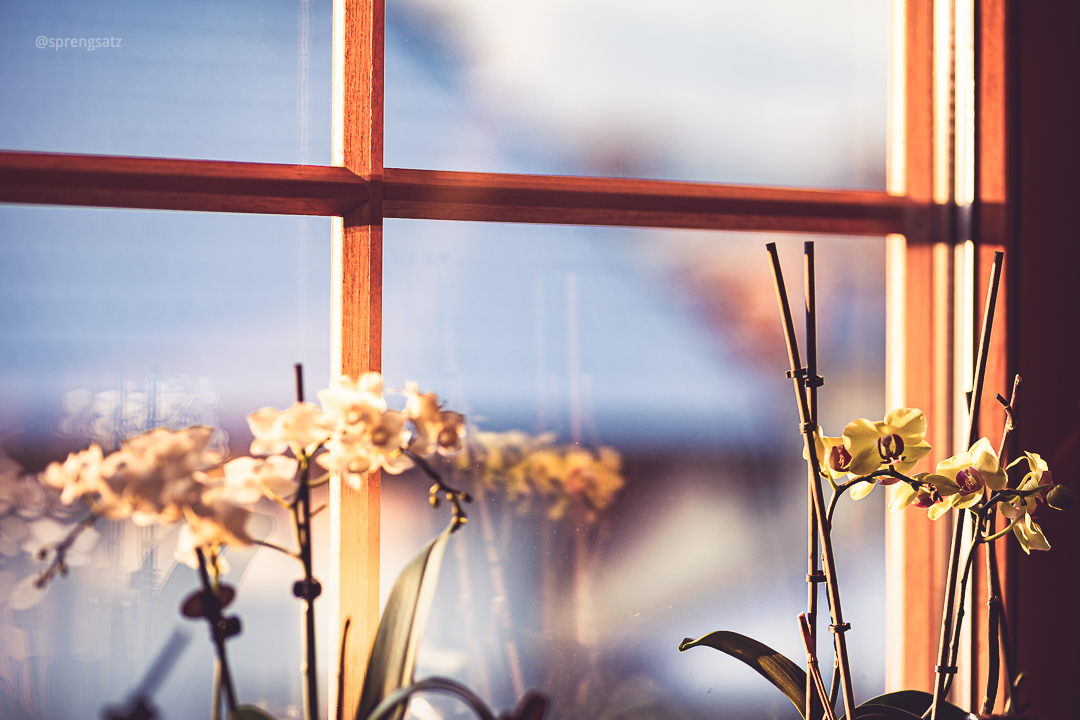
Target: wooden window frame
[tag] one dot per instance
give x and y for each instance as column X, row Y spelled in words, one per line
column 919, row 214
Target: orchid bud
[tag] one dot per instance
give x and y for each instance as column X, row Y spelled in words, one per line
column 1059, row 497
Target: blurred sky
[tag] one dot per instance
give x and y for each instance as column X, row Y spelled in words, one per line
column 660, row 341
column 778, row 92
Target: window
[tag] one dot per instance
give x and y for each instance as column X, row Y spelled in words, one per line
column 358, row 192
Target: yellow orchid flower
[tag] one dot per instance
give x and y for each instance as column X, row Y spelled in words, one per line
column 930, row 491
column 833, row 457
column 834, row 463
column 897, row 441
column 1019, row 509
column 302, row 428
column 348, row 403
column 972, row 471
column 436, row 429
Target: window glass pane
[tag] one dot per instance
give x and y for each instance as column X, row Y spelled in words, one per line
column 114, row 322
column 237, row 80
column 777, row 92
column 666, row 346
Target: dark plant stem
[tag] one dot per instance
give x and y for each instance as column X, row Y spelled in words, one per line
column 1011, row 677
column 944, row 670
column 454, row 496
column 839, row 489
column 954, row 647
column 834, row 684
column 212, row 611
column 993, row 618
column 341, row 669
column 838, row 492
column 308, row 589
column 995, row 611
column 215, row 691
column 808, row 430
column 58, row 565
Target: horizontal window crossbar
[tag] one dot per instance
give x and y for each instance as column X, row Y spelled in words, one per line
column 444, row 195
column 167, row 184
column 204, row 185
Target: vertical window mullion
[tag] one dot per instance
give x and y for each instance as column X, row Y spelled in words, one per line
column 356, row 286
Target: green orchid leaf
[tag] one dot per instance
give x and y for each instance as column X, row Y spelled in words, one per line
column 912, row 703
column 788, row 677
column 250, row 712
column 393, row 655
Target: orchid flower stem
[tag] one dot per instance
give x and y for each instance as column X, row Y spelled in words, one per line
column 453, row 495
column 834, row 685
column 272, row 546
column 979, row 539
column 944, row 668
column 887, row 472
column 59, row 560
column 808, row 429
column 954, row 646
column 212, row 610
column 308, row 589
column 837, row 493
column 215, row 692
column 995, row 610
column 1011, row 678
column 1001, row 533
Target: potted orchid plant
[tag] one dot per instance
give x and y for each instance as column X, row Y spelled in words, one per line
column 973, row 485
column 167, row 476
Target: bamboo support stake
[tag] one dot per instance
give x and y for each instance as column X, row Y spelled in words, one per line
column 814, row 700
column 838, row 626
column 813, row 671
column 944, row 670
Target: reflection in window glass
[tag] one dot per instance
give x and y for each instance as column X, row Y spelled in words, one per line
column 237, row 80
column 666, row 346
column 777, row 92
column 112, row 323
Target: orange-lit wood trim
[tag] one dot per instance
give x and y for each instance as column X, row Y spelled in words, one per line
column 356, row 282
column 206, row 185
column 445, row 195
column 917, row 548
column 167, row 184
